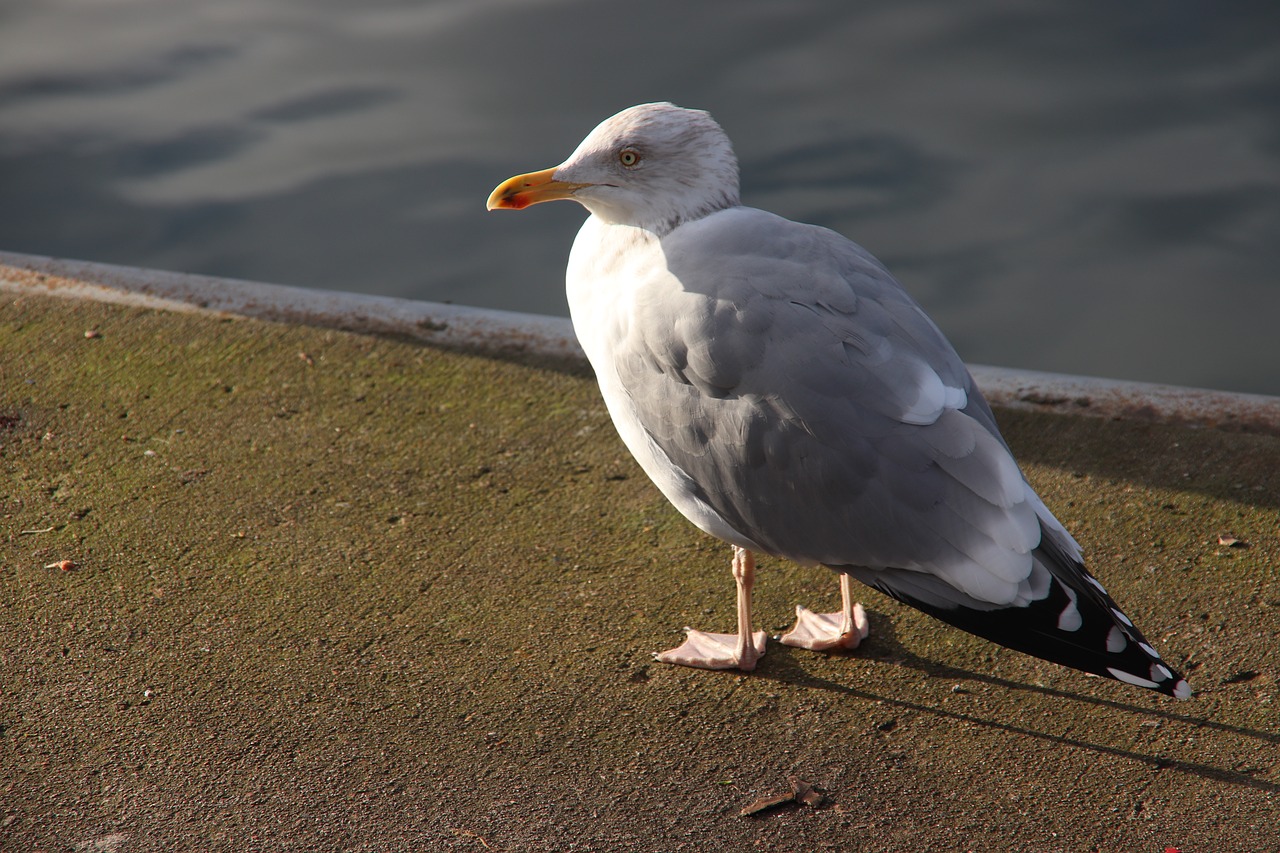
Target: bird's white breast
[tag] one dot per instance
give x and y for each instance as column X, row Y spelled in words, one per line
column 612, row 271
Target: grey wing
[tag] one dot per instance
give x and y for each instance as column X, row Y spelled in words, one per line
column 815, row 407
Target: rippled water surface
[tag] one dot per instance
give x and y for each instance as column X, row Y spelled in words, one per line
column 1082, row 187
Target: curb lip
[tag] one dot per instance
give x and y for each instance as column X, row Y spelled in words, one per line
column 510, row 334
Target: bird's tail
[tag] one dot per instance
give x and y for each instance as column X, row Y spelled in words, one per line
column 1074, row 622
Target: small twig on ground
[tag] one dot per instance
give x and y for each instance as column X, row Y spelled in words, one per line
column 469, row 834
column 801, row 792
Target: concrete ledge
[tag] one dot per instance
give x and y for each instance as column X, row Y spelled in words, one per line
column 268, row 586
column 1033, row 390
column 474, row 329
column 508, row 333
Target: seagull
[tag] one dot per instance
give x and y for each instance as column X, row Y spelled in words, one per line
column 788, row 397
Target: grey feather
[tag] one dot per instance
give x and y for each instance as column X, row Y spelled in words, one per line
column 855, row 440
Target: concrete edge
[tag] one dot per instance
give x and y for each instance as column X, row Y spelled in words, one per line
column 511, row 334
column 476, row 329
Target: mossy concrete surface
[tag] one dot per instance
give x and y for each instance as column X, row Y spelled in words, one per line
column 329, row 591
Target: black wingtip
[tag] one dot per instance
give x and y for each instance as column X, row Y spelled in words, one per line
column 1097, row 637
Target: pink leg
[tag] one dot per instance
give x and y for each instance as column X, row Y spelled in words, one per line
column 822, row 631
column 725, row 651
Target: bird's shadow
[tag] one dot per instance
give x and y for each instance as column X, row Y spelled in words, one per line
column 784, row 665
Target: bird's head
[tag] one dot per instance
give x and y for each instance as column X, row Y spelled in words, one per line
column 652, row 166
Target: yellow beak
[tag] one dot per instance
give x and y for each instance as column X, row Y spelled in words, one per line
column 523, row 190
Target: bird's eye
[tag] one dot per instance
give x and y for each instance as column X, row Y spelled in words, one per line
column 629, row 157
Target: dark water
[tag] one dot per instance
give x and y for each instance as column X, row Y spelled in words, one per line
column 1074, row 186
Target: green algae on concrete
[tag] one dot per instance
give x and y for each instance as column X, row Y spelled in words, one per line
column 338, row 592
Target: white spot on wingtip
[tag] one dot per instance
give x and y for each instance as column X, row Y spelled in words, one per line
column 1129, row 678
column 1115, row 611
column 1096, row 584
column 1070, row 619
column 1116, row 640
column 1151, row 652
column 1182, row 690
column 1160, row 672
